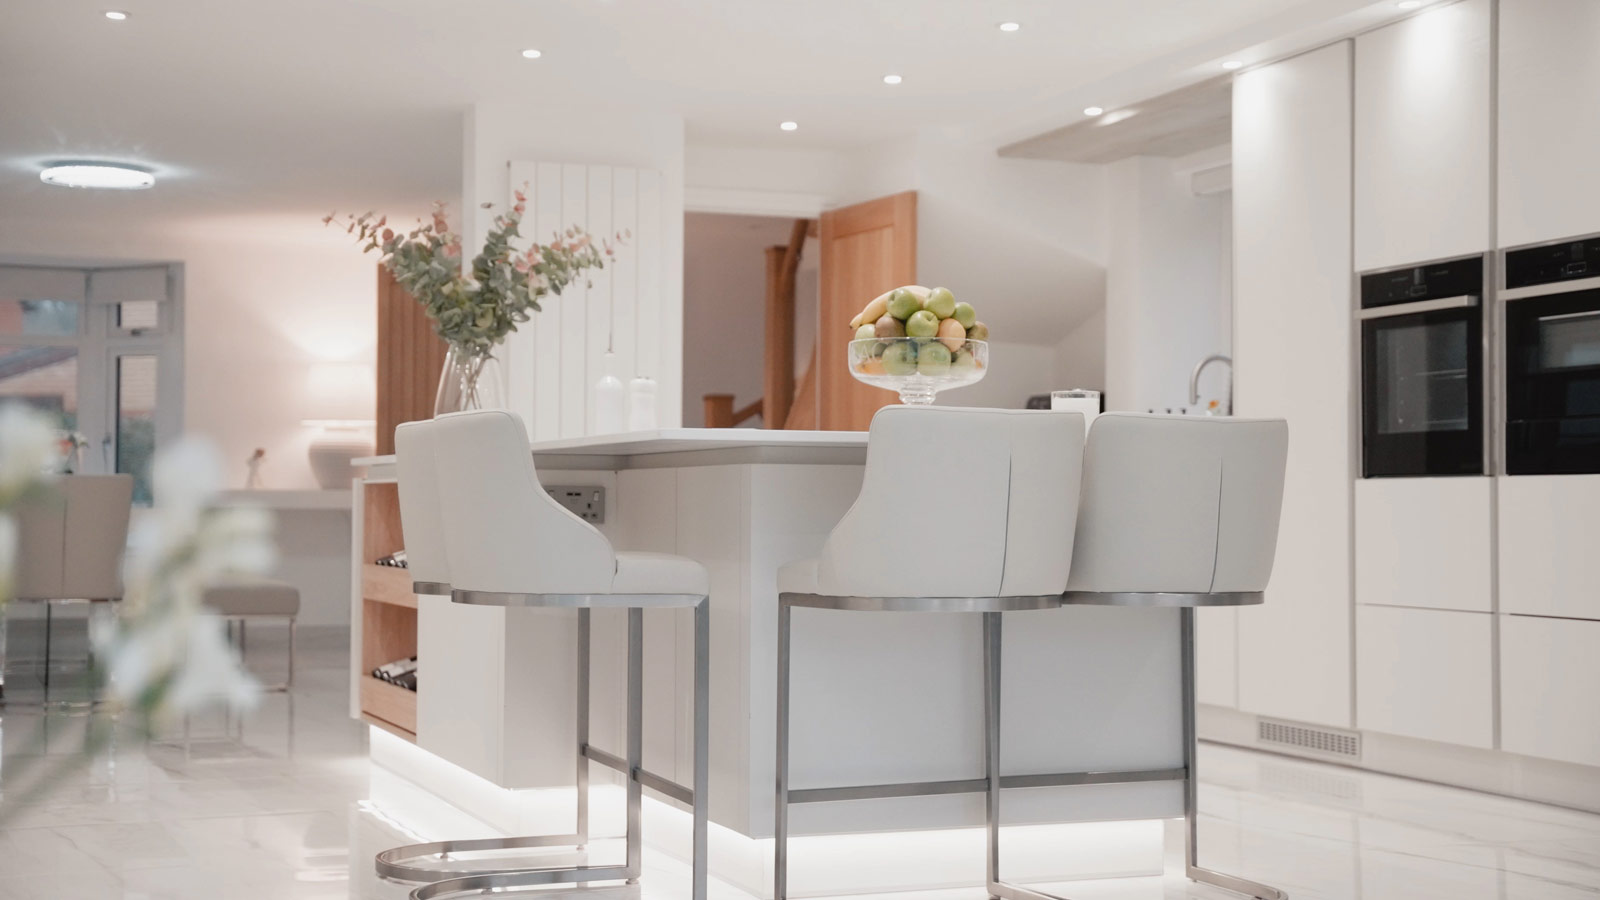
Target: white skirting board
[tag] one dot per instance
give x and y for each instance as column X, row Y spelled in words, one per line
column 1491, row 771
column 429, row 799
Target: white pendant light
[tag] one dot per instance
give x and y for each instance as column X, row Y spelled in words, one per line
column 86, row 174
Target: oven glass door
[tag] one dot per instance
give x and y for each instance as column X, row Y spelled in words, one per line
column 1553, row 384
column 1422, row 394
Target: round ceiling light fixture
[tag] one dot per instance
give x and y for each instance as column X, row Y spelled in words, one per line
column 1409, row 4
column 1009, row 27
column 88, row 174
column 788, row 126
column 116, row 15
column 892, row 79
column 1092, row 110
column 1232, row 64
column 531, row 54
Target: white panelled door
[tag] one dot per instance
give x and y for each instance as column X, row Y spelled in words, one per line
column 552, row 361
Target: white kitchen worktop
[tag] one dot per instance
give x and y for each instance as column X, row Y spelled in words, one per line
column 681, row 447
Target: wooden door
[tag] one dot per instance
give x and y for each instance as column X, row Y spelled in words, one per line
column 867, row 249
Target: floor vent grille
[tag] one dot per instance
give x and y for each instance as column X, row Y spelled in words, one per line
column 1333, row 742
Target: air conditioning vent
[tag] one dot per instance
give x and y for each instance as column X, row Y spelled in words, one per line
column 1333, row 742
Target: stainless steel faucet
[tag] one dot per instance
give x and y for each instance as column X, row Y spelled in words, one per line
column 1194, row 380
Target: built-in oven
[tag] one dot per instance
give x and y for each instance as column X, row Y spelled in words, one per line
column 1422, row 409
column 1552, row 359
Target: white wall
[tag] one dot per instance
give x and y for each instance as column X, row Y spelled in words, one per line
column 1167, row 286
column 497, row 133
column 724, row 307
column 265, row 299
column 1080, row 359
column 1022, row 240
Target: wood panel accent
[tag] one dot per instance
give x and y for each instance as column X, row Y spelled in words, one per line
column 721, row 414
column 387, row 584
column 388, row 633
column 867, row 249
column 782, row 265
column 389, row 707
column 803, row 414
column 410, row 356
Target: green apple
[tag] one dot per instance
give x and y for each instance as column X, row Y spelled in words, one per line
column 963, row 362
column 941, row 302
column 867, row 333
column 978, row 332
column 965, row 314
column 902, row 303
column 933, row 359
column 923, row 323
column 900, row 358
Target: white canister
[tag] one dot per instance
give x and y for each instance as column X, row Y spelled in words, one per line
column 642, row 404
column 1079, row 401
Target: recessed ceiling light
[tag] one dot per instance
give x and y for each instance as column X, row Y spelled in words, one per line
column 1232, row 64
column 1009, row 26
column 1092, row 110
column 531, row 54
column 891, row 79
column 1409, row 4
column 116, row 15
column 788, row 126
column 83, row 174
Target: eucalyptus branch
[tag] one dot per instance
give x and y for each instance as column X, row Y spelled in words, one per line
column 501, row 288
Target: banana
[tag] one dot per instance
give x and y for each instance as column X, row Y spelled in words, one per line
column 873, row 311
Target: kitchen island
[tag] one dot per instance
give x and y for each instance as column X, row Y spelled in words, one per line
column 875, row 698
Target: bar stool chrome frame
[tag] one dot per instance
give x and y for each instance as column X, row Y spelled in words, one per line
column 399, row 862
column 993, row 782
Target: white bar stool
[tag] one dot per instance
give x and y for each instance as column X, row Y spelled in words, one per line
column 427, row 561
column 508, row 543
column 1158, row 519
column 1020, row 474
column 1175, row 512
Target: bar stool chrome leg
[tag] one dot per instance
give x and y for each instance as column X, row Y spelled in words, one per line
column 638, row 777
column 401, row 863
column 1191, row 784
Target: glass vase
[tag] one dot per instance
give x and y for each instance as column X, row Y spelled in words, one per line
column 469, row 382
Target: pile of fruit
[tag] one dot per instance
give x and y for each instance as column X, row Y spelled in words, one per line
column 918, row 331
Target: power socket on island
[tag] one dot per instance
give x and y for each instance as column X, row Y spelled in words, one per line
column 587, row 502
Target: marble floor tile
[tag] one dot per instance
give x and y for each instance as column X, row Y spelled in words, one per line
column 272, row 807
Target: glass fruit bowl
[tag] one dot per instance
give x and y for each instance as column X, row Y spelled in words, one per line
column 918, row 367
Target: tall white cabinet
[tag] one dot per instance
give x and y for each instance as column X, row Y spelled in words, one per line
column 1549, row 120
column 1424, row 586
column 1422, row 133
column 1293, row 334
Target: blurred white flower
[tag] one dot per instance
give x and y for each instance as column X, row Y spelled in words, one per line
column 165, row 655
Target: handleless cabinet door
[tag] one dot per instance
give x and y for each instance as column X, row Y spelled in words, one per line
column 1426, row 673
column 1424, row 542
column 1292, row 279
column 1548, row 672
column 1550, row 545
column 1549, row 120
column 1422, row 137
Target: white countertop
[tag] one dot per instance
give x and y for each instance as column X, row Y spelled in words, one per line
column 689, row 447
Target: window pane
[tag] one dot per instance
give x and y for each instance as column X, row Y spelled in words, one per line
column 39, row 317
column 136, row 421
column 139, row 315
column 45, row 378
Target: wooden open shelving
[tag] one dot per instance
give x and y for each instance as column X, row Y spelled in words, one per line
column 410, row 356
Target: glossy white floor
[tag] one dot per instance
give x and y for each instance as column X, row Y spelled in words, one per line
column 274, row 811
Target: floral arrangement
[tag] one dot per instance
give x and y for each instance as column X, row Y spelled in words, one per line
column 161, row 656
column 475, row 310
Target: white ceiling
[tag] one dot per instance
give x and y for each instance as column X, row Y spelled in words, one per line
column 294, row 106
